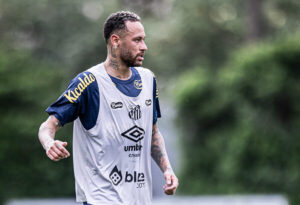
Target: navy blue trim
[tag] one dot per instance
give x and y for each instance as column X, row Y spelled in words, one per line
column 81, row 99
column 134, row 74
column 156, row 106
column 127, row 87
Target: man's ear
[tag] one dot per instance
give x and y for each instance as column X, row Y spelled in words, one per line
column 115, row 40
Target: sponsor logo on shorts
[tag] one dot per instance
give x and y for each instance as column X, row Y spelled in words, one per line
column 116, row 105
column 130, row 177
column 148, row 102
column 135, row 112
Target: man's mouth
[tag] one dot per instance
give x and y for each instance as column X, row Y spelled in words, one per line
column 140, row 57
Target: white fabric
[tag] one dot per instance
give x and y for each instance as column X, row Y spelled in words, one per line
column 102, row 155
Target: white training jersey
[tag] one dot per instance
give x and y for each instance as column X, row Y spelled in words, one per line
column 112, row 160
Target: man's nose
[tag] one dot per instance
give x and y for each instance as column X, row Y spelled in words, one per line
column 143, row 46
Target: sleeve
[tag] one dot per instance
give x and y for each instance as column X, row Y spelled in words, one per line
column 156, row 107
column 74, row 102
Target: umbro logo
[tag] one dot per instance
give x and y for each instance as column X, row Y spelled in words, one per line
column 116, row 105
column 134, row 134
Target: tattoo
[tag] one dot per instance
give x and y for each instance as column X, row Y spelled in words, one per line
column 112, row 52
column 158, row 151
column 114, row 64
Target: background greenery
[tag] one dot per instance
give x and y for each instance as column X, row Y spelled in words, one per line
column 241, row 125
column 232, row 67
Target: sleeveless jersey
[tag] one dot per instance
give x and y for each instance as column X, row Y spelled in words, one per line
column 112, row 160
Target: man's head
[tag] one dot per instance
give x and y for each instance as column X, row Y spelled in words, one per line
column 124, row 35
column 115, row 23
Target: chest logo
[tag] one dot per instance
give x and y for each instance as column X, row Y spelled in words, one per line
column 148, row 102
column 138, row 84
column 135, row 112
column 115, row 176
column 116, row 105
column 130, row 177
column 134, row 134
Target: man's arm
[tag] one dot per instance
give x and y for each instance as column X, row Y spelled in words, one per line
column 159, row 154
column 55, row 149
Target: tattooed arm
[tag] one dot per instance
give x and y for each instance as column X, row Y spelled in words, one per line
column 159, row 154
column 55, row 149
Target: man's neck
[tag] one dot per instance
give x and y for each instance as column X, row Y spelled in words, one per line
column 115, row 68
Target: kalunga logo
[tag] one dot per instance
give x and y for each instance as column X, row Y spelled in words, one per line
column 115, row 176
column 135, row 133
column 135, row 112
column 148, row 102
column 116, row 105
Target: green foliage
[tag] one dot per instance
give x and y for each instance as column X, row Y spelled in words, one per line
column 68, row 32
column 242, row 124
column 204, row 33
column 26, row 87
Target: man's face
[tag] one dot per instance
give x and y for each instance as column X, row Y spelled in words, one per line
column 133, row 47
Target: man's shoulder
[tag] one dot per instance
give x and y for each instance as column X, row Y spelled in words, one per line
column 147, row 71
column 84, row 78
column 95, row 69
column 84, row 82
column 87, row 76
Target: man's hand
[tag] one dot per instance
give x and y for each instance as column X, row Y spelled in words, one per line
column 56, row 150
column 171, row 183
column 159, row 154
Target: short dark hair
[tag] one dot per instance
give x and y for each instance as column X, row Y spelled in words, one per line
column 116, row 22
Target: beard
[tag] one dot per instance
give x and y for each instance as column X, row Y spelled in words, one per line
column 129, row 59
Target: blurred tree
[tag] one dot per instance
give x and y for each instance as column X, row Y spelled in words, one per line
column 241, row 126
column 65, row 32
column 204, row 33
column 26, row 86
column 148, row 8
column 255, row 20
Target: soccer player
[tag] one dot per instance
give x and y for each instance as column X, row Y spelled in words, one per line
column 114, row 106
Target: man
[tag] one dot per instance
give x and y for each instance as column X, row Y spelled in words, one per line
column 114, row 106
